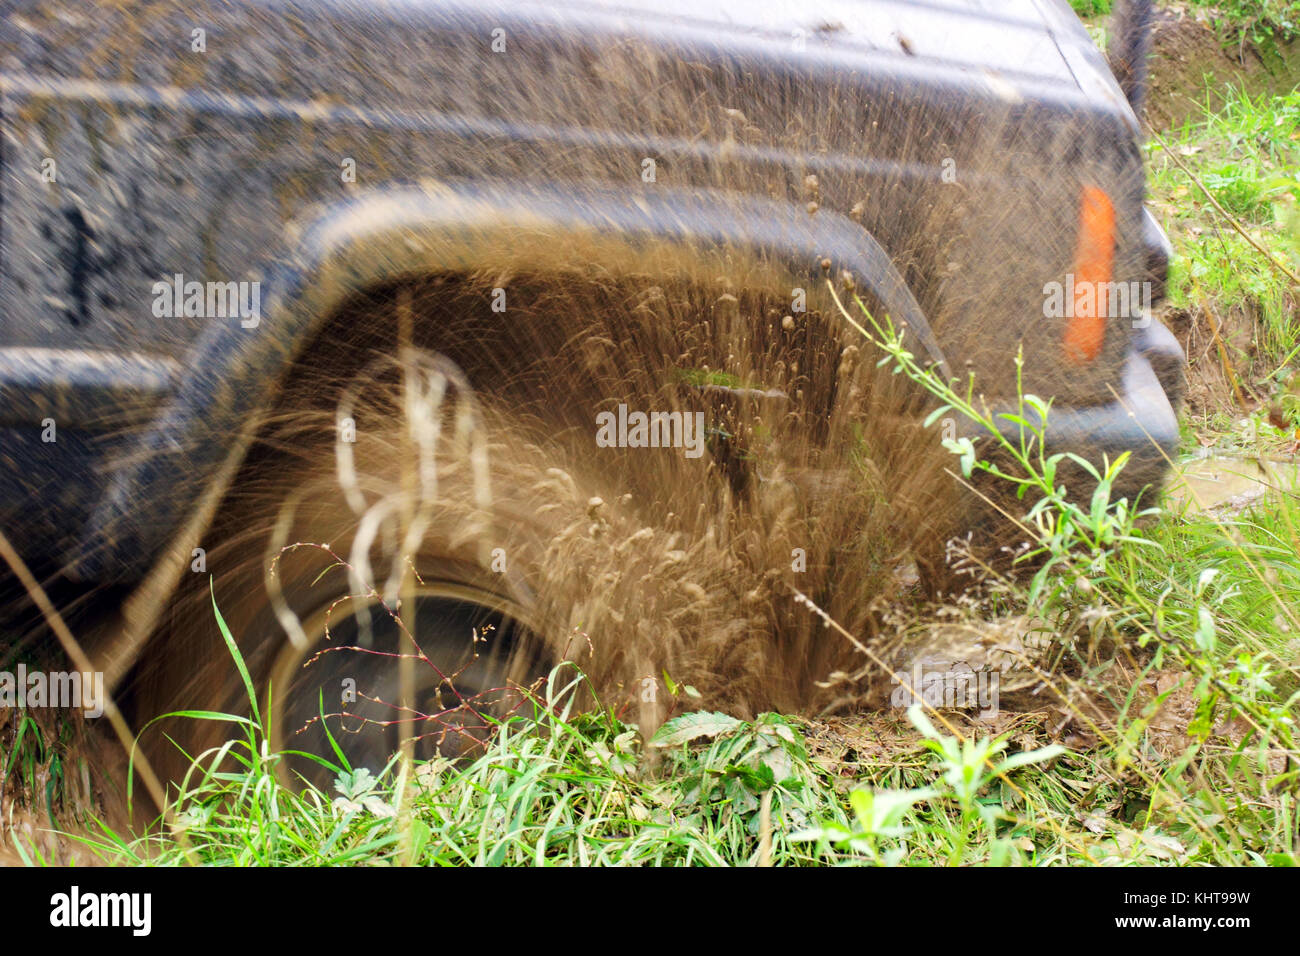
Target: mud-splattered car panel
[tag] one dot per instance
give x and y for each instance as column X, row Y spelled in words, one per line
column 214, row 141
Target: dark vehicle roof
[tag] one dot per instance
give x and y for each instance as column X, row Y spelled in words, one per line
column 1028, row 43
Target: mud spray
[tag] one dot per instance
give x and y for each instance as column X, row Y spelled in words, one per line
column 389, row 477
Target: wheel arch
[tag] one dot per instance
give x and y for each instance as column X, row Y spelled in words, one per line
column 190, row 451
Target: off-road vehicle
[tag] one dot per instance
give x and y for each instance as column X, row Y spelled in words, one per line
column 367, row 275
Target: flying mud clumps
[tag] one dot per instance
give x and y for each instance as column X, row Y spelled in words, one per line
column 395, row 486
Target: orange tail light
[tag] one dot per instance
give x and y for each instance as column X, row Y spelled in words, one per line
column 1094, row 260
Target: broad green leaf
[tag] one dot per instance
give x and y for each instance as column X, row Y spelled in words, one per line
column 688, row 727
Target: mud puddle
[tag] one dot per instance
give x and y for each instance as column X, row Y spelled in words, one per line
column 1226, row 482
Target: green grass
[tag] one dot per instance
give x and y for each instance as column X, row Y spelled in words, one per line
column 558, row 787
column 1258, row 20
column 1176, row 651
column 41, row 769
column 561, row 789
column 1091, row 8
column 1247, row 155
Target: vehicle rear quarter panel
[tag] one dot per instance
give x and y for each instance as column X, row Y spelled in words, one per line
column 958, row 135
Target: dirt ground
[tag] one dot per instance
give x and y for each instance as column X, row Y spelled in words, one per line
column 1185, row 50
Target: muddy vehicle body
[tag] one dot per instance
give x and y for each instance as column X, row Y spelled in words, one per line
column 303, row 162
